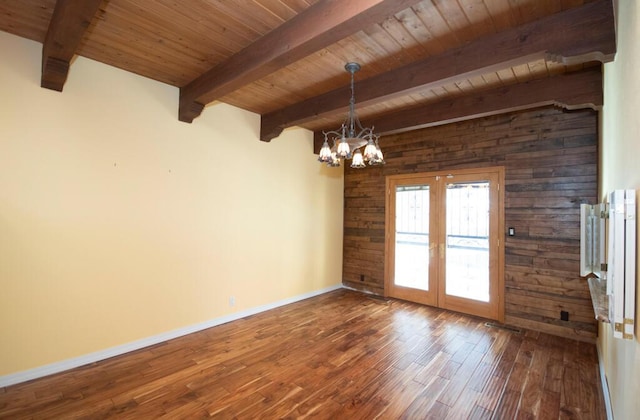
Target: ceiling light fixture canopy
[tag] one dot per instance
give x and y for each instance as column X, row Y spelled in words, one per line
column 347, row 141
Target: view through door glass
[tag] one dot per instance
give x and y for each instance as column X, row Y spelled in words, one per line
column 467, row 252
column 412, row 237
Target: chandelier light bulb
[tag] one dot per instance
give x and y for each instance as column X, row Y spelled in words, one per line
column 325, row 152
column 370, row 152
column 357, row 161
column 343, row 148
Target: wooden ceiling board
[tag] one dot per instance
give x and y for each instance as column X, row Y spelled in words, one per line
column 404, row 37
column 501, row 14
column 414, row 26
column 202, row 28
column 478, row 16
column 138, row 51
column 286, row 9
column 492, row 79
column 383, row 59
column 456, row 20
column 176, row 42
column 26, row 18
column 436, row 25
column 245, row 13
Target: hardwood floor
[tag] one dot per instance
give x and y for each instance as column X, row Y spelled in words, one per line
column 342, row 355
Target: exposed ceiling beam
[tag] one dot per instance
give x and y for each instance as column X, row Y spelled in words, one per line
column 69, row 21
column 586, row 33
column 581, row 89
column 317, row 27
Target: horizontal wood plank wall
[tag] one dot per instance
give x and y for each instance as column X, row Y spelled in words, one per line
column 551, row 162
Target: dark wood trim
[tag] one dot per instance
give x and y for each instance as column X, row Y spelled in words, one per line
column 582, row 89
column 319, row 26
column 581, row 34
column 70, row 20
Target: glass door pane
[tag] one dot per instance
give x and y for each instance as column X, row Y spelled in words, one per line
column 467, row 240
column 412, row 237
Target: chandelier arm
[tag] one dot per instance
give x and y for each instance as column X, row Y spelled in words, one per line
column 332, row 132
column 365, row 132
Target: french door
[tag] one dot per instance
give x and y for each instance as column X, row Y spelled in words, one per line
column 442, row 240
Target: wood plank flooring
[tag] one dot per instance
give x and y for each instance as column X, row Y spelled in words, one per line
column 341, row 355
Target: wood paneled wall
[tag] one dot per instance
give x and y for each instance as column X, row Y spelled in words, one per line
column 551, row 162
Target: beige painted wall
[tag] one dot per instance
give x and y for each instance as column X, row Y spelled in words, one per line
column 620, row 170
column 118, row 222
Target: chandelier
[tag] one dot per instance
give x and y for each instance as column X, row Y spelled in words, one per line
column 347, row 141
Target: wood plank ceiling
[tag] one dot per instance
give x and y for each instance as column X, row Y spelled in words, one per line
column 284, row 59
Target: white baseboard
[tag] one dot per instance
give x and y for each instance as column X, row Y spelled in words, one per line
column 63, row 365
column 605, row 384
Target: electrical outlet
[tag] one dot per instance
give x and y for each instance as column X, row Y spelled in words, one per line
column 564, row 315
column 232, row 301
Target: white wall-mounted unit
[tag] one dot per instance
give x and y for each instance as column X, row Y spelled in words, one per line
column 593, row 239
column 611, row 227
column 621, row 262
